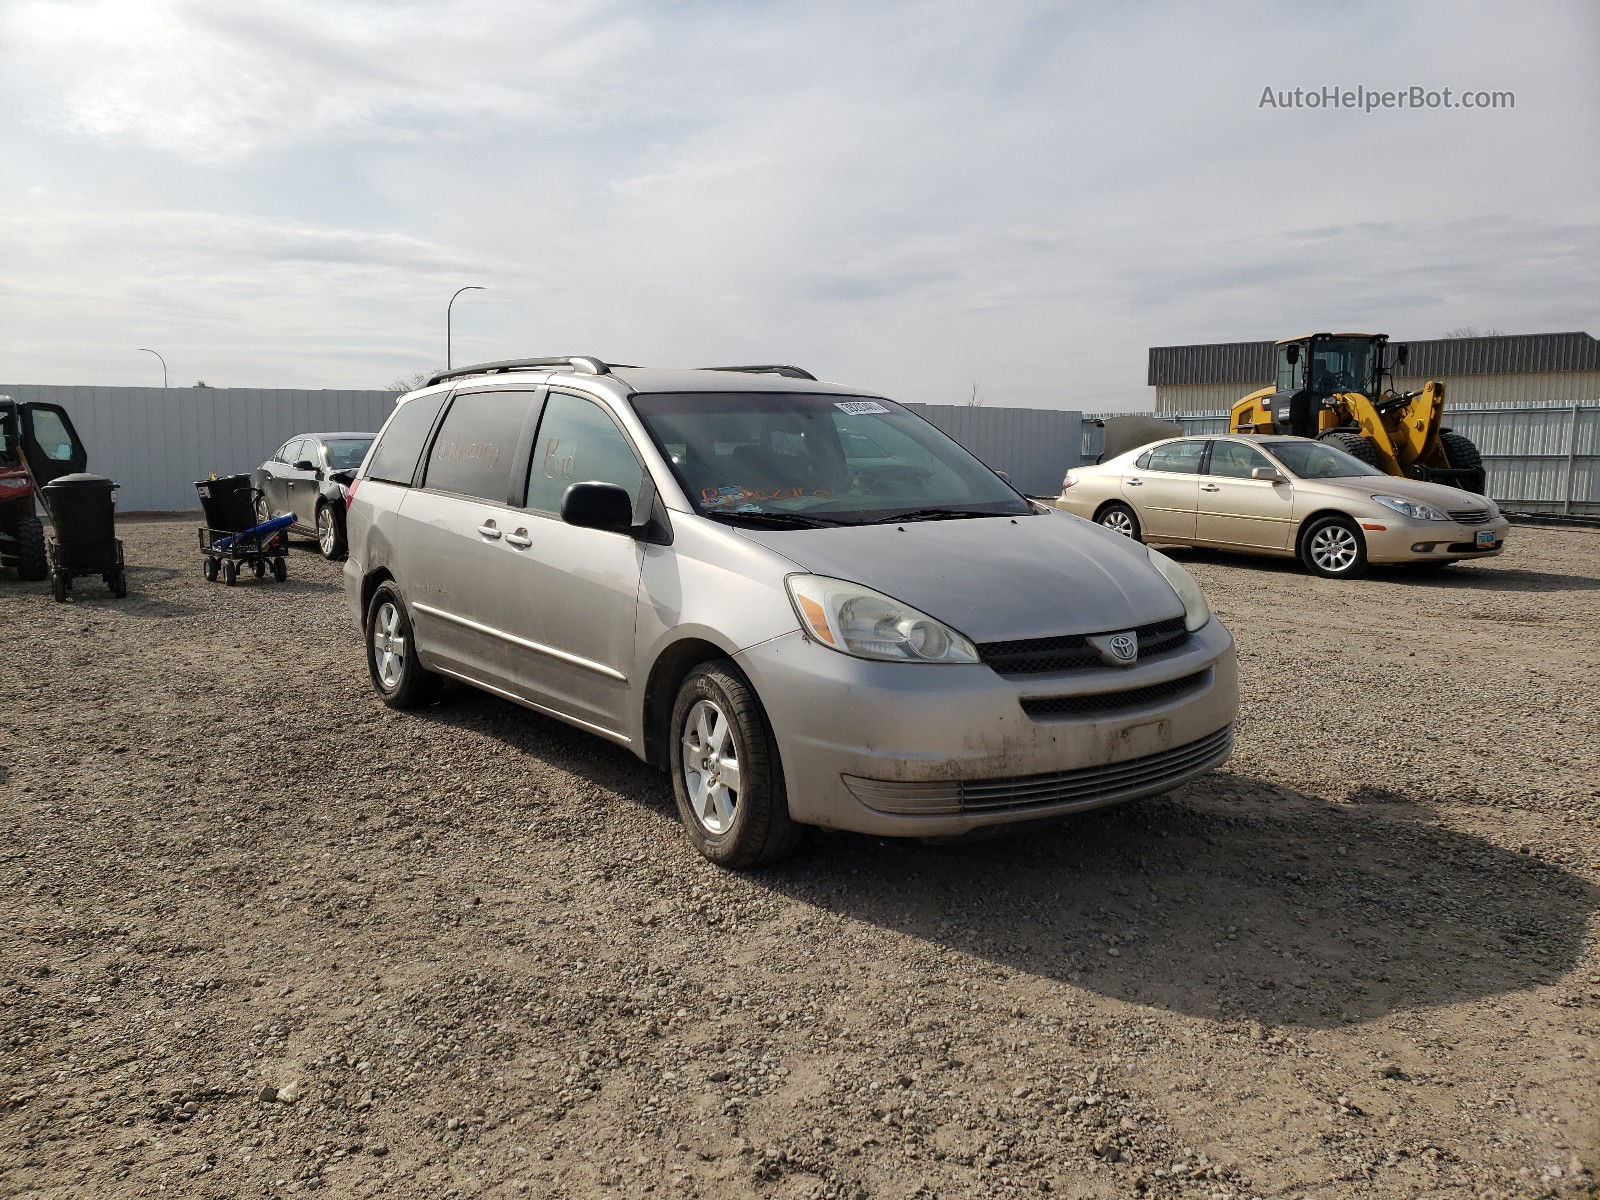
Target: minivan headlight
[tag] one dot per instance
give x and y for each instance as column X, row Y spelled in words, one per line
column 858, row 621
column 1196, row 612
column 1411, row 508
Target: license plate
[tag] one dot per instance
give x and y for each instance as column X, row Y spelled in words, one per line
column 1484, row 539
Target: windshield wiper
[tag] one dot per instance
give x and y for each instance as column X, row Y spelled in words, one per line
column 938, row 514
column 779, row 520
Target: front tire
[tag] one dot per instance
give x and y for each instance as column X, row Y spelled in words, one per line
column 1119, row 518
column 330, row 532
column 725, row 771
column 401, row 680
column 1462, row 455
column 1333, row 548
column 1356, row 445
column 33, row 563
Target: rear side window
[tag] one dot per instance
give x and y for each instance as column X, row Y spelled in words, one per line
column 476, row 443
column 394, row 458
column 1183, row 457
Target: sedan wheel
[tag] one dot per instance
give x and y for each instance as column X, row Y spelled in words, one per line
column 1119, row 518
column 325, row 531
column 1333, row 548
column 711, row 767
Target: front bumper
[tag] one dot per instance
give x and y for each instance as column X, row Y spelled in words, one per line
column 918, row 750
column 1405, row 540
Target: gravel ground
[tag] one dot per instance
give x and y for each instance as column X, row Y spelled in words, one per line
column 266, row 936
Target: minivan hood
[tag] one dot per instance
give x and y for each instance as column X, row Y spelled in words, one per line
column 993, row 578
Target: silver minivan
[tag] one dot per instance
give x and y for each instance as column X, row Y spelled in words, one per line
column 804, row 601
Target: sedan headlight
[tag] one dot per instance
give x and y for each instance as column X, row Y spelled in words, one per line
column 1411, row 508
column 1196, row 612
column 856, row 620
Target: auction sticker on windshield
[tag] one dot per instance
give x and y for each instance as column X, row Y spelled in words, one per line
column 857, row 407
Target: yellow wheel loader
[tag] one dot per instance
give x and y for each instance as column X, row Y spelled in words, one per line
column 1330, row 386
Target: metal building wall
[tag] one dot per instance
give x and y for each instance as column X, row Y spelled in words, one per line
column 1034, row 446
column 156, row 442
column 1533, row 388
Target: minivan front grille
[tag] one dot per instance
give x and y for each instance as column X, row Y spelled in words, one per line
column 1086, row 787
column 1100, row 703
column 1470, row 516
column 1031, row 656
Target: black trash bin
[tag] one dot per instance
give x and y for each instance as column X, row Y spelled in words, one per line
column 229, row 503
column 84, row 537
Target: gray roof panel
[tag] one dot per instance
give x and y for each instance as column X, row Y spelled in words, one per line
column 1515, row 354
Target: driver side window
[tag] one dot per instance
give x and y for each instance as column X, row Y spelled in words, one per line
column 1235, row 460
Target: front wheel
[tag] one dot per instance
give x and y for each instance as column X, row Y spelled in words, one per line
column 1119, row 518
column 33, row 563
column 330, row 532
column 1333, row 548
column 401, row 681
column 117, row 581
column 280, row 570
column 1462, row 455
column 60, row 585
column 725, row 771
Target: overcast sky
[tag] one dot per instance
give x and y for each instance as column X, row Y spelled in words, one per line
column 910, row 197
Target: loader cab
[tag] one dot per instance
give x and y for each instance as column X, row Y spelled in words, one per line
column 1330, row 364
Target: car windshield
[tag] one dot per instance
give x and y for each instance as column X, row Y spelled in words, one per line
column 1318, row 460
column 801, row 459
column 345, row 454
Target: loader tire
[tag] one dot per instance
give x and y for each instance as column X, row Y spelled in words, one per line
column 32, row 562
column 1462, row 455
column 1356, row 445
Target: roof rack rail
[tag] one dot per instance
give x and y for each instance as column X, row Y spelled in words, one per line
column 770, row 369
column 584, row 364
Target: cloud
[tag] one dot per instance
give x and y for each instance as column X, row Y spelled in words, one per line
column 907, row 197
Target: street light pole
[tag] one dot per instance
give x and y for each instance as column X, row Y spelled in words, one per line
column 471, row 287
column 147, row 350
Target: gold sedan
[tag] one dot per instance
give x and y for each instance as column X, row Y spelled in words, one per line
column 1286, row 496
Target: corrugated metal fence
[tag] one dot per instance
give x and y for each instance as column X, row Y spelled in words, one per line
column 1033, row 446
column 1538, row 459
column 156, row 442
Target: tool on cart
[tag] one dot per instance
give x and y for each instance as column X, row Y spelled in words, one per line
column 233, row 538
column 37, row 445
column 1330, row 386
column 83, row 541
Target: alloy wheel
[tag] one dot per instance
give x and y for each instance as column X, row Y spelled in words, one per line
column 325, row 531
column 388, row 645
column 1118, row 521
column 711, row 766
column 1334, row 548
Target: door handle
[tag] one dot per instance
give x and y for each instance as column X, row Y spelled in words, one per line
column 488, row 530
column 1209, row 487
column 519, row 539
column 1134, row 482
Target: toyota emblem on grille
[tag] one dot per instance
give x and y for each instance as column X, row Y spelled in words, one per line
column 1117, row 649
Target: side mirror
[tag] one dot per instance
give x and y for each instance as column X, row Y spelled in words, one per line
column 1269, row 474
column 1402, row 353
column 598, row 506
column 305, row 464
column 1291, row 354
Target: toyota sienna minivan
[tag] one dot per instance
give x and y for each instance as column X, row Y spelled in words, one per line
column 806, row 603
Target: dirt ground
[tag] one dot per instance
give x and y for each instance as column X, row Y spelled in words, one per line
column 264, row 936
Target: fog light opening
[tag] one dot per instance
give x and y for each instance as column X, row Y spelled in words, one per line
column 1423, row 547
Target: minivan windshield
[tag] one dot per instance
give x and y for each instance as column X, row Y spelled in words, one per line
column 1317, row 460
column 797, row 459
